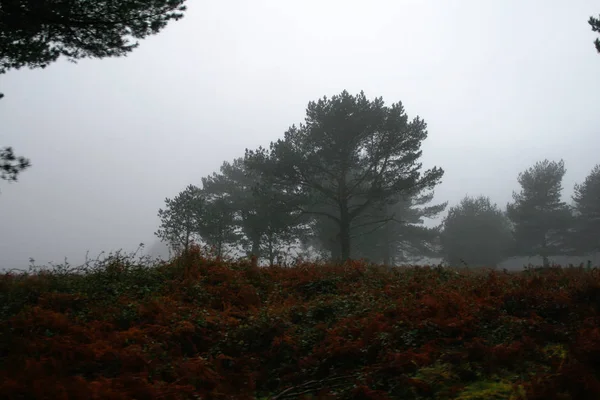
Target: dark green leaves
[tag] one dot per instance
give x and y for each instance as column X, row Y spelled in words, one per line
column 11, row 165
column 350, row 156
column 180, row 219
column 595, row 24
column 36, row 33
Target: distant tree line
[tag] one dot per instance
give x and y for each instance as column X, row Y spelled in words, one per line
column 536, row 223
column 348, row 183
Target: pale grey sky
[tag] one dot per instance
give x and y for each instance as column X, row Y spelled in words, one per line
column 501, row 84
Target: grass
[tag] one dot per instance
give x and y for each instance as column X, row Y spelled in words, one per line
column 200, row 328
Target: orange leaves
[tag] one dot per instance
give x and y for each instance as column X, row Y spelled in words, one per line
column 366, row 393
column 184, row 328
column 248, row 296
column 39, row 320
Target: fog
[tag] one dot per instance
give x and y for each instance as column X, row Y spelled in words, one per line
column 500, row 84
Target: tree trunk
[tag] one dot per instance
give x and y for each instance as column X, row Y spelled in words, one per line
column 386, row 245
column 255, row 247
column 186, row 245
column 334, row 248
column 271, row 251
column 545, row 260
column 344, row 233
column 219, row 248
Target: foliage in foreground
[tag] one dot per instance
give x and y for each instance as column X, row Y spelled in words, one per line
column 201, row 328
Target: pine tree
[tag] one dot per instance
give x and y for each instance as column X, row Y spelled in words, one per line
column 401, row 237
column 265, row 220
column 218, row 227
column 541, row 220
column 35, row 34
column 586, row 233
column 349, row 155
column 181, row 218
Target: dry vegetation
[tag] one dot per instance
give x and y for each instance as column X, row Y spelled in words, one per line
column 199, row 328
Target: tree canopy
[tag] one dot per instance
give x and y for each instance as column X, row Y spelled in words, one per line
column 180, row 219
column 11, row 165
column 36, row 33
column 350, row 154
column 541, row 220
column 476, row 232
column 595, row 24
column 586, row 233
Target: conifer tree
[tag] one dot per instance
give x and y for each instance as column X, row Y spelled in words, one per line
column 541, row 220
column 351, row 154
column 586, row 235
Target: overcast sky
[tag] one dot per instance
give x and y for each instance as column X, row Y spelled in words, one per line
column 501, row 84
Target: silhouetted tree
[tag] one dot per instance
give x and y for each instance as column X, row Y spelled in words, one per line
column 586, row 233
column 36, row 33
column 541, row 220
column 386, row 233
column 595, row 24
column 403, row 236
column 218, row 226
column 181, row 218
column 11, row 165
column 476, row 232
column 265, row 218
column 349, row 155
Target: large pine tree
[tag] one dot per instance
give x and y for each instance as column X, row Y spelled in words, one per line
column 350, row 154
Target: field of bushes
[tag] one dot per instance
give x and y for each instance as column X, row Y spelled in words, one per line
column 200, row 328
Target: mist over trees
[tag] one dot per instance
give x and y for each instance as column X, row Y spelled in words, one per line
column 398, row 234
column 350, row 155
column 346, row 180
column 477, row 233
column 348, row 183
column 586, row 230
column 181, row 218
column 541, row 220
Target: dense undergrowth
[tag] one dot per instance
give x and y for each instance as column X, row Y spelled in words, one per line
column 197, row 328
